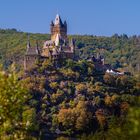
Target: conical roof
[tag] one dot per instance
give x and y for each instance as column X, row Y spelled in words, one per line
column 58, row 20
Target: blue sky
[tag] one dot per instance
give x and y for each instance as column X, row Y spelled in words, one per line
column 93, row 17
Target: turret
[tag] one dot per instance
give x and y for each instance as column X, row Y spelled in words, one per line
column 52, row 24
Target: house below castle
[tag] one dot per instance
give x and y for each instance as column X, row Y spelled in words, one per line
column 58, row 48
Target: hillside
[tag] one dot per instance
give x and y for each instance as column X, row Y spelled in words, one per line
column 73, row 100
column 120, row 51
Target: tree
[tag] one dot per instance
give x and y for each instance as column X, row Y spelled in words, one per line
column 76, row 119
column 54, row 85
column 100, row 115
column 84, row 116
column 67, row 118
column 13, row 98
column 70, row 74
column 81, row 88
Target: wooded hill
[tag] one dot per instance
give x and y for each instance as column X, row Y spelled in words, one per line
column 118, row 50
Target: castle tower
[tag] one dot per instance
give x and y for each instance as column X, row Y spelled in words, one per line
column 58, row 28
column 31, row 56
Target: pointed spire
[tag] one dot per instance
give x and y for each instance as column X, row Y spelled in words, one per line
column 52, row 24
column 58, row 20
column 37, row 48
column 28, row 42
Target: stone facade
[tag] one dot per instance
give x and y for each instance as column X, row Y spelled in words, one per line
column 58, row 48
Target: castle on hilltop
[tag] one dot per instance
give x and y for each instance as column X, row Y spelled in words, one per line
column 58, row 48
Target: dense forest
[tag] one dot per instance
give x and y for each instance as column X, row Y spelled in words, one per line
column 74, row 100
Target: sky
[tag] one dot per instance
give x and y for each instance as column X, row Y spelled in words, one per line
column 91, row 17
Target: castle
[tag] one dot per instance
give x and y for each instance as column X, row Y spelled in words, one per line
column 58, row 48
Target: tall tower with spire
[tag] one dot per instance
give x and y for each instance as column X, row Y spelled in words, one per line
column 32, row 55
column 58, row 28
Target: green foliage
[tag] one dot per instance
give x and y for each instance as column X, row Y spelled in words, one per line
column 14, row 116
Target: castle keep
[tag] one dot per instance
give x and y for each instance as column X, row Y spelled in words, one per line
column 58, row 48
